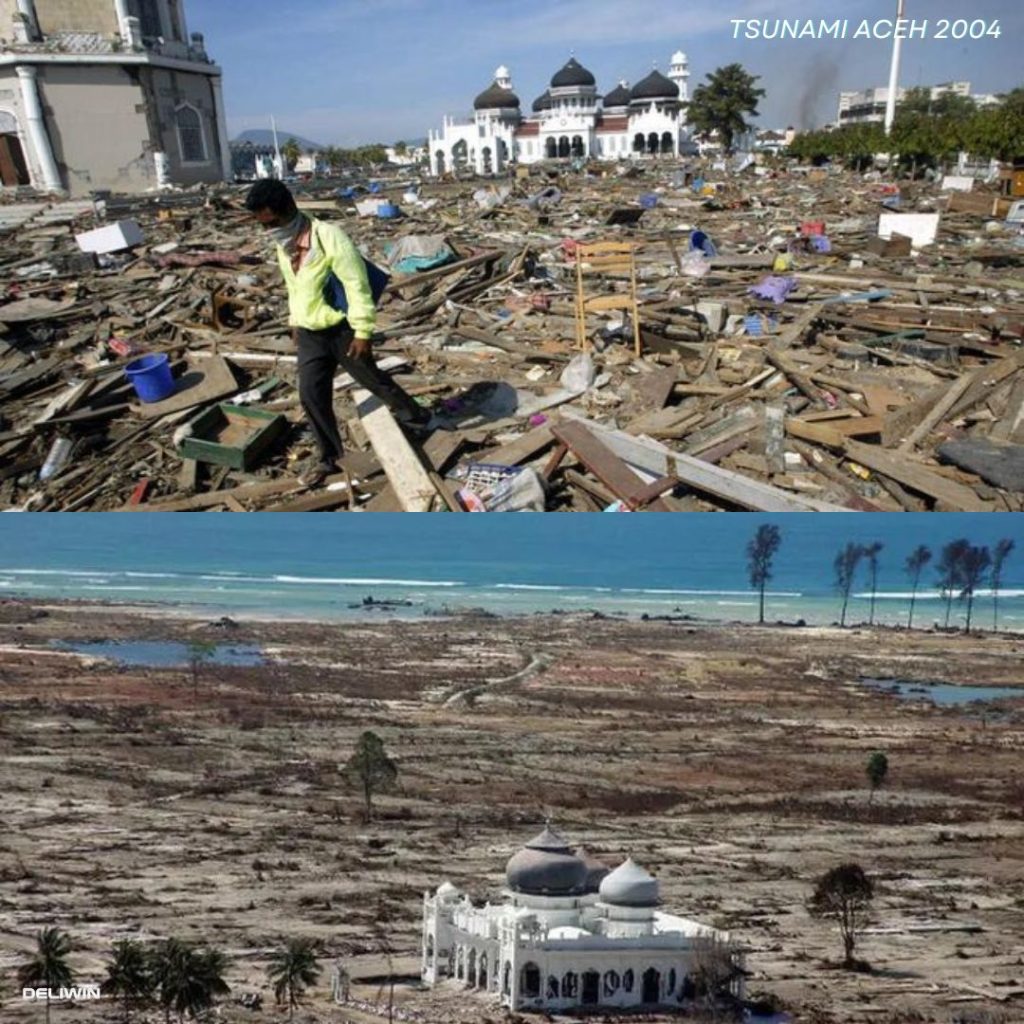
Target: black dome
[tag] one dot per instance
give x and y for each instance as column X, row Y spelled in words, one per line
column 618, row 97
column 495, row 96
column 574, row 73
column 655, row 87
column 542, row 102
column 546, row 866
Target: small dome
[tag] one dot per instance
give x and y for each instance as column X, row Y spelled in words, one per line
column 618, row 97
column 655, row 87
column 495, row 97
column 446, row 891
column 568, row 931
column 679, row 57
column 630, row 886
column 573, row 73
column 542, row 102
column 546, row 866
column 501, row 73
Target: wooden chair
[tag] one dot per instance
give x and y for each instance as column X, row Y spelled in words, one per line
column 606, row 258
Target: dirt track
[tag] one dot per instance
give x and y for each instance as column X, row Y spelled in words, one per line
column 728, row 760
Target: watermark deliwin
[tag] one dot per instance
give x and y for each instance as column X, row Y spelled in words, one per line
column 78, row 993
column 881, row 28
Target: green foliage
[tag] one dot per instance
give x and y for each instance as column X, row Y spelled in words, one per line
column 188, row 979
column 974, row 565
column 926, row 133
column 760, row 555
column 292, row 970
column 371, row 767
column 949, row 569
column 291, row 151
column 723, row 103
column 128, row 974
column 48, row 967
column 913, row 567
column 843, row 893
column 871, row 552
column 876, row 770
column 999, row 556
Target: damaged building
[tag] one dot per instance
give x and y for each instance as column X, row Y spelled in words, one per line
column 107, row 94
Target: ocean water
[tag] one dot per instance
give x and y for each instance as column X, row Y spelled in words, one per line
column 318, row 566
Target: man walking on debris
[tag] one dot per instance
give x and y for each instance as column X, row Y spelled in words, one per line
column 308, row 250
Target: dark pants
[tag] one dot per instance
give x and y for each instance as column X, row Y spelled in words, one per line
column 319, row 356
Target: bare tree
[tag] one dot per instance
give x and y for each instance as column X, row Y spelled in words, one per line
column 845, row 565
column 974, row 565
column 871, row 553
column 999, row 556
column 716, row 964
column 844, row 894
column 760, row 554
column 913, row 567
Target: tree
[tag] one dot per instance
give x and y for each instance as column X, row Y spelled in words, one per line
column 844, row 894
column 949, row 571
column 722, row 103
column 871, row 554
column 974, row 565
column 199, row 653
column 876, row 770
column 913, row 567
column 48, row 967
column 845, row 566
column 333, row 157
column 715, row 965
column 371, row 767
column 292, row 970
column 291, row 151
column 401, row 148
column 999, row 556
column 128, row 975
column 760, row 553
column 188, row 979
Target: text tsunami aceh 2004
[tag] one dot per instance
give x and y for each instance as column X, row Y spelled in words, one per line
column 882, row 28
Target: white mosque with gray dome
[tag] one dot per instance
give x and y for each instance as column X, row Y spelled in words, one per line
column 568, row 932
column 569, row 120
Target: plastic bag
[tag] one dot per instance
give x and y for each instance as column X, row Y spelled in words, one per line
column 580, row 374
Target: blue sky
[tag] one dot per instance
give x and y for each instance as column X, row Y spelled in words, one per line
column 349, row 72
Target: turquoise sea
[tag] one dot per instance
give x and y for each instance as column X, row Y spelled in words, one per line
column 316, row 566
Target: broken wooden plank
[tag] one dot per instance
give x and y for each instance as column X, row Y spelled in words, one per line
column 406, row 474
column 939, row 410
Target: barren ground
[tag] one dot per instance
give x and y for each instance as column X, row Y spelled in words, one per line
column 728, row 760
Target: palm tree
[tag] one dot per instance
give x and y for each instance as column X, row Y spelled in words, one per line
column 871, row 554
column 188, row 979
column 950, row 571
column 845, row 566
column 999, row 556
column 291, row 151
column 48, row 968
column 128, row 974
column 973, row 566
column 913, row 567
column 292, row 970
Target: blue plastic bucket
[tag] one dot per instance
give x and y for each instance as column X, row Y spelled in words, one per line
column 151, row 377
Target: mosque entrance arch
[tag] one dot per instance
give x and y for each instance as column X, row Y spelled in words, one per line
column 460, row 154
column 551, row 149
column 482, row 972
column 576, row 147
column 487, row 161
column 506, row 980
column 439, row 157
column 530, row 981
column 638, row 142
column 563, row 146
column 651, row 992
column 652, row 142
column 13, row 167
column 471, row 968
column 666, row 142
column 591, row 993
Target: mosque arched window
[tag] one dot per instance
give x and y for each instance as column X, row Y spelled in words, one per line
column 671, row 981
column 570, row 985
column 611, row 982
column 530, row 981
column 552, row 987
column 506, row 979
column 627, row 980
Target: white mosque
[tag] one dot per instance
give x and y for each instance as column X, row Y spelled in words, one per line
column 569, row 932
column 570, row 120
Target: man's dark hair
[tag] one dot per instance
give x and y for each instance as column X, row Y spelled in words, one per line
column 271, row 195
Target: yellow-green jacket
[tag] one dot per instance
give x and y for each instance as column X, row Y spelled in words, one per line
column 331, row 249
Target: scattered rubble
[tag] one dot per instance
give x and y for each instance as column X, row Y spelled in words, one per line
column 810, row 340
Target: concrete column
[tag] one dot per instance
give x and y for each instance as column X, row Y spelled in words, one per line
column 27, row 10
column 222, row 127
column 166, row 29
column 121, row 6
column 36, row 125
column 182, row 26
